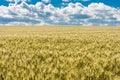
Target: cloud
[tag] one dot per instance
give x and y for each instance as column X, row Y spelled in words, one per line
column 66, row 0
column 46, row 1
column 16, row 1
column 95, row 14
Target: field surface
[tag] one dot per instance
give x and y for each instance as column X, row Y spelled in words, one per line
column 59, row 53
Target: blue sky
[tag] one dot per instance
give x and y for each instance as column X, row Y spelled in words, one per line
column 60, row 12
column 58, row 3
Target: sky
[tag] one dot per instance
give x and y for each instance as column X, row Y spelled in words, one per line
column 60, row 12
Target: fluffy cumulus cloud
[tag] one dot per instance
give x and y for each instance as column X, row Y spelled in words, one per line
column 96, row 14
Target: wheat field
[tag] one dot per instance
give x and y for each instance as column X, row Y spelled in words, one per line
column 59, row 53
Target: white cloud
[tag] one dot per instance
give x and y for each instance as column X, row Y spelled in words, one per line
column 74, row 14
column 16, row 1
column 66, row 0
column 46, row 1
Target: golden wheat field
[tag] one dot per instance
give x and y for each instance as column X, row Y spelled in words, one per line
column 59, row 53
